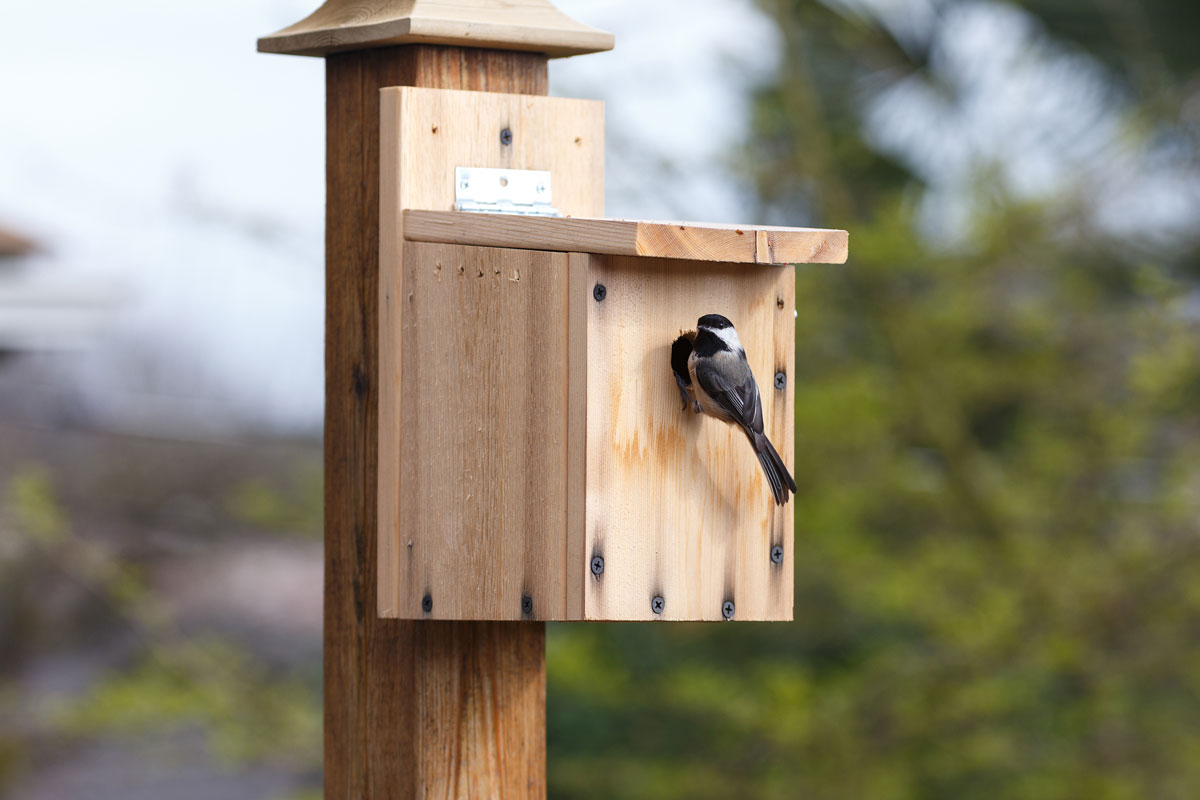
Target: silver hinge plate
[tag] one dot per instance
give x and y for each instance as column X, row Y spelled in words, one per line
column 504, row 191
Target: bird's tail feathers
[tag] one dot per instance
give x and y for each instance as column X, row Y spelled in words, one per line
column 773, row 467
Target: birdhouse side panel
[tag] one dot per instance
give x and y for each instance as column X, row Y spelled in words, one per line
column 475, row 494
column 680, row 521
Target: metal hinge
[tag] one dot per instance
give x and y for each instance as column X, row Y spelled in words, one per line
column 503, row 191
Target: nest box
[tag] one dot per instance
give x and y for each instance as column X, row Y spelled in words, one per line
column 535, row 461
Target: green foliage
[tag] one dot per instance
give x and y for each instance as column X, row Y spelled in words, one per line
column 296, row 507
column 32, row 506
column 249, row 713
column 998, row 544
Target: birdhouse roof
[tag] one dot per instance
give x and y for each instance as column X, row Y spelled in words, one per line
column 530, row 25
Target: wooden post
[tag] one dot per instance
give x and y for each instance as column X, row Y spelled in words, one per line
column 412, row 709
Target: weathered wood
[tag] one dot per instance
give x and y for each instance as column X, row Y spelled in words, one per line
column 473, row 359
column 694, row 241
column 538, row 427
column 703, row 533
column 530, row 25
column 387, row 696
column 476, row 521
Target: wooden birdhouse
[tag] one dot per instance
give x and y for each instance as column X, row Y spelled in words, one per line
column 535, row 458
column 504, row 436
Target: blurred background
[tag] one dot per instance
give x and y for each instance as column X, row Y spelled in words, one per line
column 998, row 398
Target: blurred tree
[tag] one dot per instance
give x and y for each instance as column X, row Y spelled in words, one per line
column 998, row 544
column 60, row 588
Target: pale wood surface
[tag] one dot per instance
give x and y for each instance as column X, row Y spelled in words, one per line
column 531, row 25
column 461, row 348
column 396, row 690
column 677, row 504
column 693, row 241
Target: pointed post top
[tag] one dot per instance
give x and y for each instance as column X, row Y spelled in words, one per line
column 530, row 25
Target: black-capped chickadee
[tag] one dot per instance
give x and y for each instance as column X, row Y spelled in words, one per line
column 714, row 378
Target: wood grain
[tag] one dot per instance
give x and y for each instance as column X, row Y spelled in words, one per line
column 481, row 719
column 703, row 533
column 474, row 336
column 483, row 457
column 744, row 244
column 385, row 692
column 531, row 25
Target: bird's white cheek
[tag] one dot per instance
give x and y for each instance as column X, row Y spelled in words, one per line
column 730, row 337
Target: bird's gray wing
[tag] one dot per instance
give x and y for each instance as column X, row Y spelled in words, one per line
column 737, row 395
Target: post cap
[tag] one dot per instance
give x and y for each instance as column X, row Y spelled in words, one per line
column 530, row 25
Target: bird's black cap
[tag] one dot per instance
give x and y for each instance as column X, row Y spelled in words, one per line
column 714, row 321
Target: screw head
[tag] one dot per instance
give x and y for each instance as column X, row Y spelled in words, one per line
column 526, row 604
column 427, row 603
column 658, row 604
column 597, row 565
column 506, row 137
column 599, row 292
column 727, row 609
column 776, row 555
column 780, row 381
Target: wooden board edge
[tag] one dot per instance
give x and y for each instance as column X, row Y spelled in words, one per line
column 575, row 580
column 390, row 277
column 724, row 244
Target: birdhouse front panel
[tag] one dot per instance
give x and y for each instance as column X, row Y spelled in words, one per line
column 678, row 507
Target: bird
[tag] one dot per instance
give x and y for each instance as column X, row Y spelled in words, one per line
column 714, row 378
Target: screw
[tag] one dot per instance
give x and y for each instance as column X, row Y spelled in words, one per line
column 597, row 565
column 599, row 292
column 427, row 603
column 776, row 555
column 658, row 604
column 526, row 604
column 780, row 381
column 727, row 609
column 506, row 137
column 465, row 183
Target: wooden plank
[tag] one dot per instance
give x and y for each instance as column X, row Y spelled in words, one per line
column 483, row 459
column 695, row 241
column 578, row 298
column 705, row 532
column 430, row 315
column 383, row 690
column 532, row 25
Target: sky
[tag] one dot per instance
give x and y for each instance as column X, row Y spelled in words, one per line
column 162, row 160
